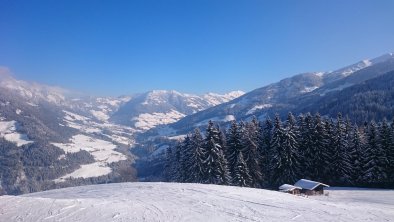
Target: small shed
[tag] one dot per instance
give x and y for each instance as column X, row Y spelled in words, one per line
column 310, row 187
column 287, row 188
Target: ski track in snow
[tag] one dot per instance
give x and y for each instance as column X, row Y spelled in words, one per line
column 194, row 202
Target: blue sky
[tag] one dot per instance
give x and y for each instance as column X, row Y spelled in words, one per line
column 195, row 46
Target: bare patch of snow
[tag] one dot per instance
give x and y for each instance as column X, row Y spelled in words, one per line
column 8, row 130
column 258, row 107
column 102, row 151
column 88, row 170
column 147, row 121
column 309, row 89
column 100, row 115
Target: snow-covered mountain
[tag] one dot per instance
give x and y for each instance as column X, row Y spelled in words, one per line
column 195, row 202
column 49, row 135
column 284, row 95
column 73, row 135
column 159, row 107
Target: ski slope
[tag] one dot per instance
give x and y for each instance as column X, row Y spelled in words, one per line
column 194, row 202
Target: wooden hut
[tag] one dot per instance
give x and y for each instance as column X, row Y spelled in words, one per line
column 287, row 188
column 310, row 187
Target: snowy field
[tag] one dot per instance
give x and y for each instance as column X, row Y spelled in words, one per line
column 9, row 131
column 195, row 202
column 102, row 151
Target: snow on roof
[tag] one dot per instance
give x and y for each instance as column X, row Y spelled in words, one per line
column 308, row 184
column 288, row 187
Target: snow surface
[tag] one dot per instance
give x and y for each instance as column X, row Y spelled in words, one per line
column 8, row 130
column 194, row 202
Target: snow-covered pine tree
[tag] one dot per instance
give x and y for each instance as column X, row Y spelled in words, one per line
column 374, row 159
column 241, row 177
column 291, row 149
column 168, row 167
column 306, row 145
column 330, row 140
column 356, row 148
column 386, row 143
column 285, row 163
column 320, row 155
column 265, row 151
column 234, row 146
column 390, row 157
column 250, row 152
column 341, row 158
column 186, row 160
column 196, row 169
column 276, row 144
column 215, row 164
column 176, row 160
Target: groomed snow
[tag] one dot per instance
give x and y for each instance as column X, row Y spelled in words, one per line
column 194, row 202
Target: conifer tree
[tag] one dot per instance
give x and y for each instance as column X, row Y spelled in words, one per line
column 306, row 141
column 374, row 159
column 250, row 152
column 285, row 164
column 265, row 151
column 215, row 164
column 356, row 148
column 386, row 144
column 320, row 154
column 330, row 168
column 241, row 177
column 186, row 159
column 168, row 167
column 341, row 158
column 234, row 146
column 390, row 157
column 197, row 170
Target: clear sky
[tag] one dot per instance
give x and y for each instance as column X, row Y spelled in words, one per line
column 195, row 46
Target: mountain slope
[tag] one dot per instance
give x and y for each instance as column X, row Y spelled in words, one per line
column 50, row 137
column 47, row 136
column 372, row 99
column 288, row 94
column 160, row 107
column 194, row 202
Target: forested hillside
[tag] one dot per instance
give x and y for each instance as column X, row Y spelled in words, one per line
column 270, row 153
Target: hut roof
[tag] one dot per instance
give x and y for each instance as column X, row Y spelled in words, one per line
column 288, row 187
column 309, row 184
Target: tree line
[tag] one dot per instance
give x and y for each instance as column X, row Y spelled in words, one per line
column 266, row 154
